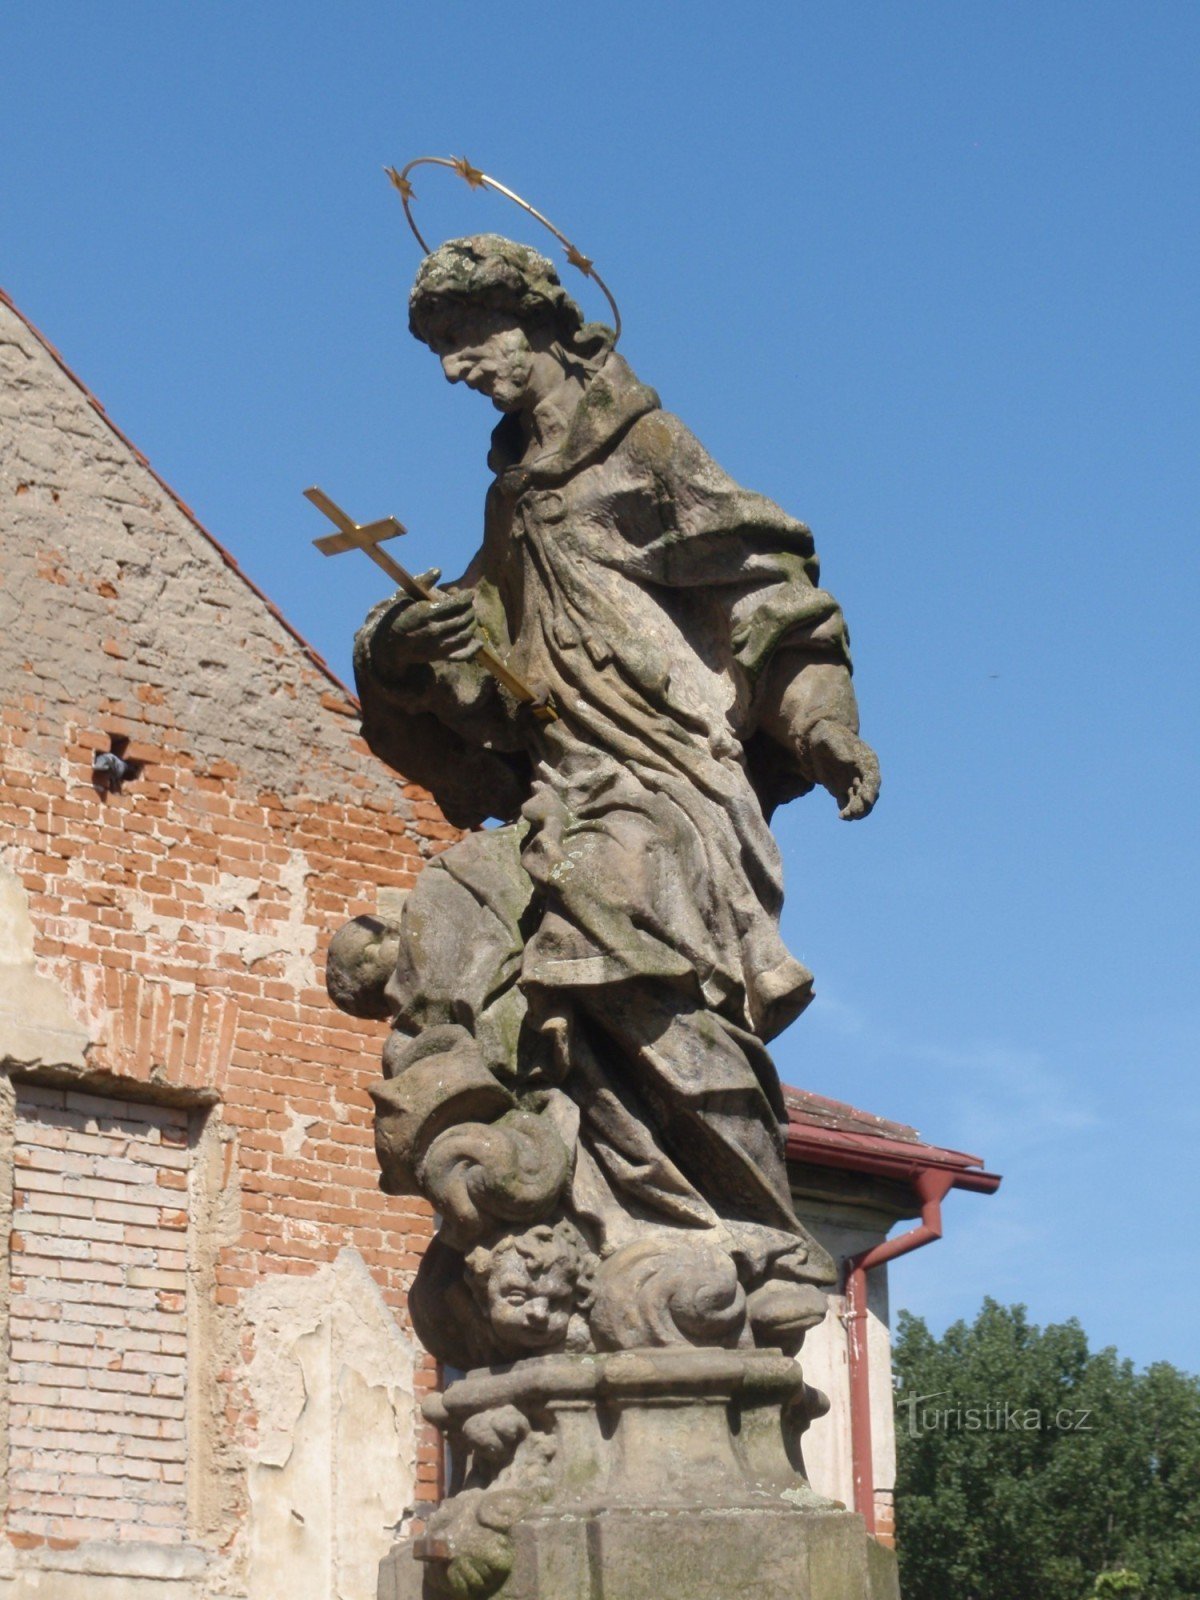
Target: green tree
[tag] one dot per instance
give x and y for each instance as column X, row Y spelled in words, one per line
column 1029, row 1466
column 1122, row 1581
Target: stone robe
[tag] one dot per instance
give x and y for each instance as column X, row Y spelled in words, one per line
column 616, row 944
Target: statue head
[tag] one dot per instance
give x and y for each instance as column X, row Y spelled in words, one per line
column 531, row 1286
column 471, row 289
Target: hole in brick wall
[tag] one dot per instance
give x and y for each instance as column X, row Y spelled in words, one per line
column 112, row 768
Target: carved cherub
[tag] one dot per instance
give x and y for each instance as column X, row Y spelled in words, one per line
column 534, row 1288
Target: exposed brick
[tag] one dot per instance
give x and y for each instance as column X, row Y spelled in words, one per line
column 186, row 919
column 90, row 1373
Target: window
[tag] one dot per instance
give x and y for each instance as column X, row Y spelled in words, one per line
column 98, row 1318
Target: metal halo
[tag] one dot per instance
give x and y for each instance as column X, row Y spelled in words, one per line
column 480, row 180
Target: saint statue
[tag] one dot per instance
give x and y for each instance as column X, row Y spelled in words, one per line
column 582, row 988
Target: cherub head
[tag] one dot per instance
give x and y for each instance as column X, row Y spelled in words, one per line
column 531, row 1287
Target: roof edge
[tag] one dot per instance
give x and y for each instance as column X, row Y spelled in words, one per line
column 820, row 1111
column 181, row 505
column 882, row 1157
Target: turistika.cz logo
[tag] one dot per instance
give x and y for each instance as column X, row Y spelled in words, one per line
column 996, row 1416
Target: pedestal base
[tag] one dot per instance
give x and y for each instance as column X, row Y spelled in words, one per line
column 638, row 1475
column 678, row 1554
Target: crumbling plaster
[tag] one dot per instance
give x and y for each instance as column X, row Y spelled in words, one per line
column 107, row 585
column 314, row 1505
column 332, row 1476
column 37, row 1024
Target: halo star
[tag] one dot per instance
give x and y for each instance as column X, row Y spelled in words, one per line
column 578, row 259
column 465, row 170
column 401, row 184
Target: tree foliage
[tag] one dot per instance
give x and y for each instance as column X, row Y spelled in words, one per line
column 1029, row 1465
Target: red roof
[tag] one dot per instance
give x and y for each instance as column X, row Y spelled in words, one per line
column 829, row 1133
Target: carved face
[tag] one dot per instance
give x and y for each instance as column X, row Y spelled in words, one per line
column 487, row 353
column 529, row 1304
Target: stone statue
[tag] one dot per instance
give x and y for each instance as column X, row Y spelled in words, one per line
column 580, row 999
column 532, row 1286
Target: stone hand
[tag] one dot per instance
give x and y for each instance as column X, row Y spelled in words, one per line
column 842, row 763
column 441, row 629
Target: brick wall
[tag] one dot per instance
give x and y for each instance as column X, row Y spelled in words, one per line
column 98, row 1318
column 183, row 921
column 885, row 1517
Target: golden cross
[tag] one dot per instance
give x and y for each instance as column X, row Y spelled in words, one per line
column 368, row 536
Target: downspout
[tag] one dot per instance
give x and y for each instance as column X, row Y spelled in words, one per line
column 932, row 1186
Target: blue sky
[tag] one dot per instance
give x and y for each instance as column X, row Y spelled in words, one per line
column 926, row 274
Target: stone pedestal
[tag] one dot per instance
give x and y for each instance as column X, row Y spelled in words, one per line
column 665, row 1474
column 695, row 1554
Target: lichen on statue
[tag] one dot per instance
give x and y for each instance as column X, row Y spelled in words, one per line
column 608, row 959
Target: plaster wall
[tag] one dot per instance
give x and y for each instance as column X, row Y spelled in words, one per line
column 825, row 1358
column 166, row 944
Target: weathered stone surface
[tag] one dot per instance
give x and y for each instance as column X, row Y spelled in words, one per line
column 361, row 958
column 446, row 1084
column 673, row 1473
column 611, row 956
column 701, row 1553
column 511, row 1171
column 698, row 1553
column 644, row 1426
column 581, row 999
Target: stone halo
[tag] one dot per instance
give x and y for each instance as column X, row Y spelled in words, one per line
column 476, row 179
